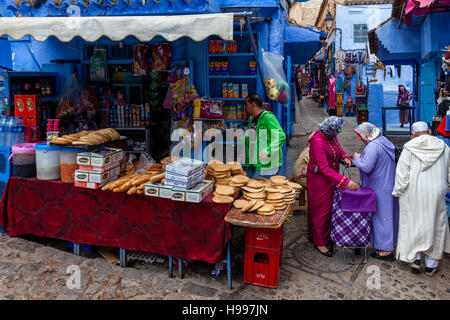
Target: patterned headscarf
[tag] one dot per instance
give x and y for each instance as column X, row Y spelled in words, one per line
column 331, row 126
column 367, row 130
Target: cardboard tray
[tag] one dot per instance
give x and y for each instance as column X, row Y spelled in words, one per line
column 253, row 220
column 88, row 147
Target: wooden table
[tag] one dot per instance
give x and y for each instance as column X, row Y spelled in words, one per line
column 253, row 220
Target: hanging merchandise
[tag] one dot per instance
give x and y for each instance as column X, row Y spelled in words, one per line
column 69, row 100
column 274, row 78
column 379, row 65
column 140, row 63
column 98, row 66
column 339, row 58
column 162, row 53
column 349, row 71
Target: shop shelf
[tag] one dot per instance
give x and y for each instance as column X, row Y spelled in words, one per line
column 242, row 54
column 130, row 128
column 234, row 77
column 228, row 99
column 47, row 99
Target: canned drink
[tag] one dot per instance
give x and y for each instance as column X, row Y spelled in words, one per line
column 56, row 124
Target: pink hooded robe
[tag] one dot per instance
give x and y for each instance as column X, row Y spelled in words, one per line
column 325, row 154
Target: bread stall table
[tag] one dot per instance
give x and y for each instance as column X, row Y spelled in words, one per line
column 54, row 209
column 263, row 244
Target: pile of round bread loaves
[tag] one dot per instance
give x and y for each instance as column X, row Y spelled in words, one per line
column 89, row 138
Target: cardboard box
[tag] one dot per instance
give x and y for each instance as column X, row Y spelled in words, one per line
column 200, row 191
column 29, row 108
column 183, row 178
column 96, row 177
column 183, row 185
column 101, row 158
column 152, row 190
column 165, row 192
column 178, row 194
column 185, row 166
column 98, row 169
column 94, row 185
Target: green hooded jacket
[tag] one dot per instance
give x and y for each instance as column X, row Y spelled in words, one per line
column 268, row 129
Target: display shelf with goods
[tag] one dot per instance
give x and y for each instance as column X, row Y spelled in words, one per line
column 232, row 76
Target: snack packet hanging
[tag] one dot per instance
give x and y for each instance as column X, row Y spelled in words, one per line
column 140, row 64
column 98, row 67
column 161, row 56
column 275, row 83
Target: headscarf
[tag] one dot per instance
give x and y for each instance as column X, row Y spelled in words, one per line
column 367, row 131
column 331, row 126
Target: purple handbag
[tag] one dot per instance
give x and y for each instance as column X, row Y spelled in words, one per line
column 351, row 217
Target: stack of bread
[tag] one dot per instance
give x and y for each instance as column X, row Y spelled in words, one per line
column 167, row 160
column 135, row 182
column 223, row 194
column 221, row 173
column 237, row 182
column 267, row 196
column 90, row 138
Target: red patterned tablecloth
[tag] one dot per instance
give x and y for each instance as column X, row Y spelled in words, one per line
column 59, row 210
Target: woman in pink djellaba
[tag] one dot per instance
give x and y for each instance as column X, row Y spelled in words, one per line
column 322, row 178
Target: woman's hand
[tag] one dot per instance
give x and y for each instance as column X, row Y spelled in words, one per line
column 353, row 186
column 348, row 162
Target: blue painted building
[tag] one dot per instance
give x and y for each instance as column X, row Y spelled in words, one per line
column 418, row 45
column 267, row 19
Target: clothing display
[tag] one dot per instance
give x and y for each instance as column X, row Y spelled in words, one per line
column 423, row 169
column 339, row 58
column 331, row 92
column 349, row 72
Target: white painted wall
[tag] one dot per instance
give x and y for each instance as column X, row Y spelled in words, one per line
column 347, row 16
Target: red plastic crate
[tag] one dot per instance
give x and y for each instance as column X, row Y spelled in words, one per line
column 262, row 267
column 264, row 238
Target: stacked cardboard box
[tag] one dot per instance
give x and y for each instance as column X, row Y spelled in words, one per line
column 98, row 168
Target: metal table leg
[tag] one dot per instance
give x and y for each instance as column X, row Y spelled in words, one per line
column 229, row 264
column 76, row 249
column 180, row 268
column 123, row 258
column 170, row 267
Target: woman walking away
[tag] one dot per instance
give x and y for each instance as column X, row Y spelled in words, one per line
column 322, row 178
column 377, row 167
column 403, row 98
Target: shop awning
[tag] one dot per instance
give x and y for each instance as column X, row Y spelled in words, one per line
column 421, row 7
column 117, row 28
column 301, row 43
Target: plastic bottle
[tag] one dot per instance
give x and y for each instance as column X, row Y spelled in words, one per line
column 10, row 132
column 20, row 130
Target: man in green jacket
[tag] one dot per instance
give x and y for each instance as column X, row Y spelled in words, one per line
column 264, row 140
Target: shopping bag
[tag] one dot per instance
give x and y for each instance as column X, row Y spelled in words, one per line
column 275, row 83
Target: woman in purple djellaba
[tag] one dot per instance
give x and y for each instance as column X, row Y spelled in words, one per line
column 403, row 98
column 377, row 167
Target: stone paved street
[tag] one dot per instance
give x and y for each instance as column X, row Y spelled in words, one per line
column 35, row 268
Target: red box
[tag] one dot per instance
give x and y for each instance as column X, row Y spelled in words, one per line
column 219, row 46
column 264, row 238
column 29, row 108
column 212, row 46
column 262, row 267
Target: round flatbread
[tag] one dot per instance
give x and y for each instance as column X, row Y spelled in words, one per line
column 256, row 195
column 254, row 184
column 263, row 181
column 267, row 213
column 282, row 189
column 266, row 208
column 214, row 161
column 240, row 179
column 252, row 190
column 222, row 199
column 240, row 203
column 249, row 205
column 258, row 204
column 276, row 203
column 221, row 168
column 232, row 184
column 234, row 166
column 295, row 185
column 224, row 191
column 275, row 196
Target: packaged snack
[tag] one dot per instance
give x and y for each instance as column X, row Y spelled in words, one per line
column 212, row 46
column 232, row 112
column 161, row 56
column 225, row 89
column 236, row 90
column 98, row 67
column 244, row 90
column 140, row 63
column 219, row 46
column 212, row 69
column 230, row 89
